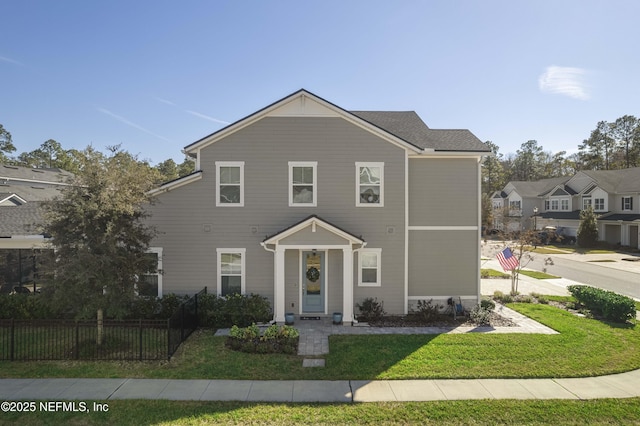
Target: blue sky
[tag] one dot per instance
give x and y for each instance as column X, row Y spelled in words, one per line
column 158, row 75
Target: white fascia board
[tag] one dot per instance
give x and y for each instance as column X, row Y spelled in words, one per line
column 176, row 183
column 20, row 199
column 450, row 154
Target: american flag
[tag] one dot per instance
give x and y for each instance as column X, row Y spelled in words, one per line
column 507, row 260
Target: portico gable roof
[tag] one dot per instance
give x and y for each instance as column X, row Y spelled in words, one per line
column 305, row 230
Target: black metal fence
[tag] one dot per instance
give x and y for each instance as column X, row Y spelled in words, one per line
column 183, row 322
column 141, row 340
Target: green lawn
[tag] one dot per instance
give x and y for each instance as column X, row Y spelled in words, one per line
column 537, row 275
column 584, row 347
column 451, row 413
column 492, row 273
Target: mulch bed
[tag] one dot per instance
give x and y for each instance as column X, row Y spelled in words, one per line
column 442, row 321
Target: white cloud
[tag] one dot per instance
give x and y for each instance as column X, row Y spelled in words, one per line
column 132, row 124
column 566, row 81
column 206, row 117
column 9, row 60
column 164, row 101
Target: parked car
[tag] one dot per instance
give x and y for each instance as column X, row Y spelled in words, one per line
column 555, row 235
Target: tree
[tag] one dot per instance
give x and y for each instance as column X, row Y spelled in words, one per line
column 168, row 170
column 588, row 228
column 493, row 175
column 626, row 130
column 598, row 151
column 529, row 162
column 98, row 231
column 6, row 144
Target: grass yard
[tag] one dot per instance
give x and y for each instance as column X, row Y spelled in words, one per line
column 584, row 347
column 537, row 275
column 451, row 413
column 492, row 273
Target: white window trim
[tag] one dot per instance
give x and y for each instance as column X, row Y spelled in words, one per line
column 369, row 164
column 595, row 204
column 627, row 203
column 158, row 251
column 243, row 260
column 312, row 164
column 220, row 164
column 378, row 253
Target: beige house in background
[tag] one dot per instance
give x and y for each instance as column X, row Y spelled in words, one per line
column 317, row 208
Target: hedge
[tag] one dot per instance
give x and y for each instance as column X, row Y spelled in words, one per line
column 610, row 305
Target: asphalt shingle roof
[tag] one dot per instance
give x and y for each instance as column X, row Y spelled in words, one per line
column 21, row 220
column 616, row 181
column 408, row 126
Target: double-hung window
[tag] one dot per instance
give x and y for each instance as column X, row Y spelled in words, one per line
column 554, row 204
column 599, row 204
column 627, row 203
column 369, row 184
column 564, row 204
column 586, row 203
column 369, row 267
column 230, row 183
column 231, row 271
column 303, row 183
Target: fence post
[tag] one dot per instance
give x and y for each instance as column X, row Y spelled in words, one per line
column 12, row 341
column 77, row 345
column 182, row 323
column 140, row 339
column 169, row 339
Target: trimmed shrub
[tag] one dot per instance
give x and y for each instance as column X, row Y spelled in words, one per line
column 488, row 304
column 427, row 311
column 235, row 309
column 370, row 309
column 480, row 315
column 610, row 305
column 275, row 339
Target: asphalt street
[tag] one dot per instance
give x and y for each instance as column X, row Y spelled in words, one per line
column 618, row 272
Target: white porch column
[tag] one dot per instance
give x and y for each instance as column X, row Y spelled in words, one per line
column 278, row 295
column 347, row 285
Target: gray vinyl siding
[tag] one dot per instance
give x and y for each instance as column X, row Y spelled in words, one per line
column 292, row 278
column 443, row 263
column 334, row 281
column 266, row 147
column 443, row 191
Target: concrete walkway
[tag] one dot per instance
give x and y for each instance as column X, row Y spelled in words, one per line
column 613, row 386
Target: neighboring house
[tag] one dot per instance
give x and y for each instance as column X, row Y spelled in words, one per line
column 613, row 195
column 317, row 208
column 22, row 192
column 513, row 207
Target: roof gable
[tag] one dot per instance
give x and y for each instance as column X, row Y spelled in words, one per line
column 302, row 104
column 314, row 225
column 11, row 200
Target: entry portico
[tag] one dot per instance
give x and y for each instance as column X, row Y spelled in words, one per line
column 307, row 253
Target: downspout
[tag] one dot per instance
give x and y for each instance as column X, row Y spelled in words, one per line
column 364, row 244
column 264, row 246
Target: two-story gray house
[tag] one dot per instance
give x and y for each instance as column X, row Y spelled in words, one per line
column 316, row 208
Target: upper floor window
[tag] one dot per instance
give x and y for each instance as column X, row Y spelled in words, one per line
column 369, row 267
column 599, row 204
column 627, row 203
column 230, row 183
column 564, row 204
column 303, row 183
column 231, row 271
column 554, row 204
column 514, row 205
column 546, row 205
column 586, row 203
column 370, row 184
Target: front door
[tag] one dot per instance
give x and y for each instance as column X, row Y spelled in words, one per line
column 313, row 282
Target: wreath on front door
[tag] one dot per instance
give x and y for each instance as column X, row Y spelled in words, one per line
column 313, row 274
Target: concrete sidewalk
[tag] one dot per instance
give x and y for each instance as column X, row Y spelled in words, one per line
column 613, row 386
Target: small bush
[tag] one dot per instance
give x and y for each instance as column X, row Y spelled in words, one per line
column 502, row 298
column 371, row 309
column 275, row 339
column 525, row 299
column 488, row 304
column 427, row 311
column 610, row 305
column 480, row 315
column 235, row 309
